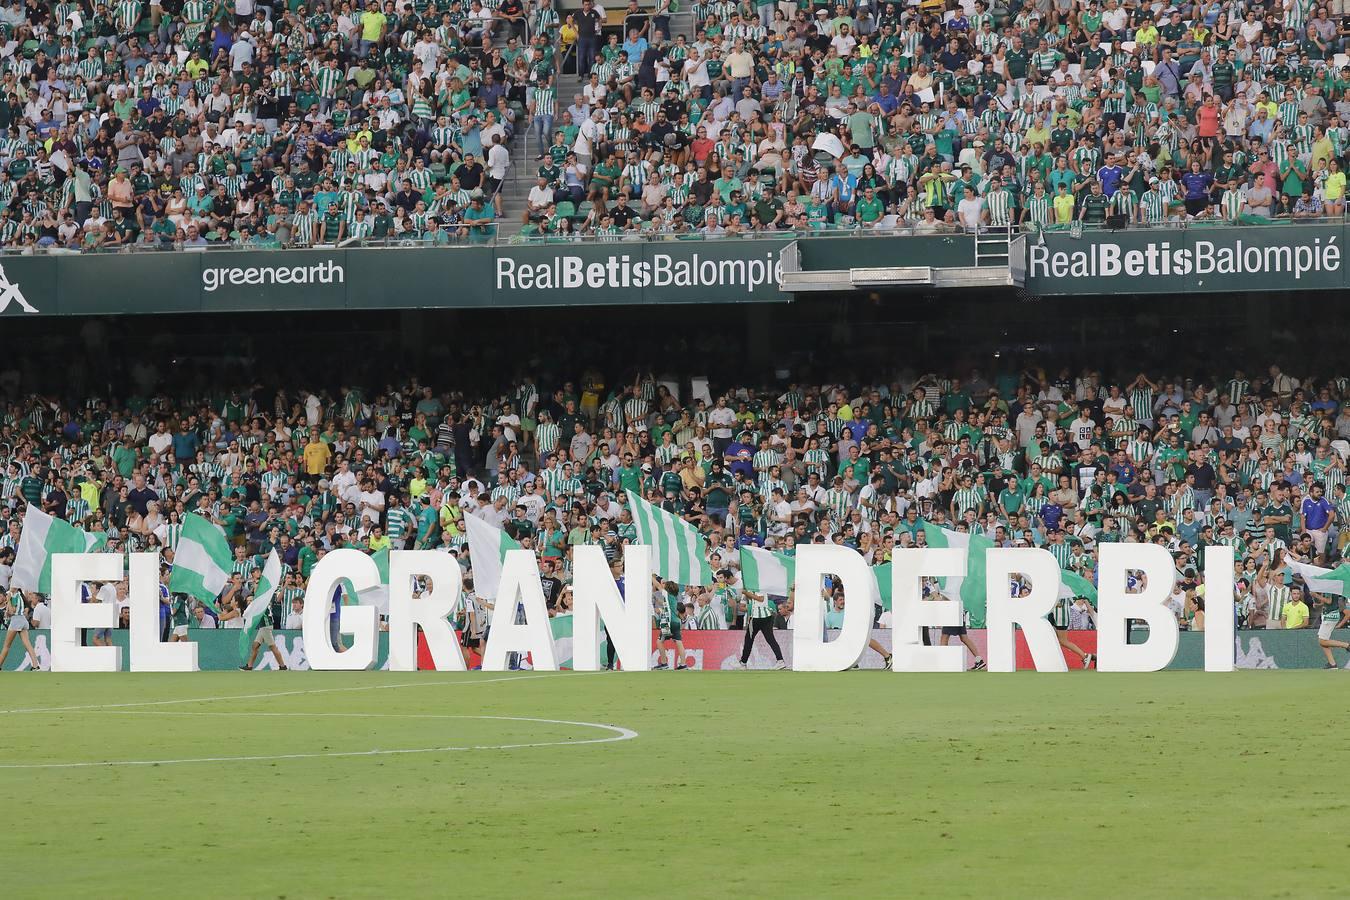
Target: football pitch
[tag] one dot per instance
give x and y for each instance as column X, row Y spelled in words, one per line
column 380, row 784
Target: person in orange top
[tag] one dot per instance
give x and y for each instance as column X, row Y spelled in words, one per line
column 121, row 193
column 1207, row 120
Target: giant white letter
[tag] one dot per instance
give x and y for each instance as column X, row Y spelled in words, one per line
column 520, row 582
column 810, row 651
column 1004, row 610
column 913, row 613
column 627, row 618
column 1220, row 617
column 69, row 615
column 1115, row 608
column 148, row 652
column 362, row 621
column 430, row 612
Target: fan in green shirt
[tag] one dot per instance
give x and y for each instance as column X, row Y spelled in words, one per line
column 870, row 208
column 630, row 476
column 1011, row 500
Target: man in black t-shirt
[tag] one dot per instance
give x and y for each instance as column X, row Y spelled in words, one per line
column 588, row 24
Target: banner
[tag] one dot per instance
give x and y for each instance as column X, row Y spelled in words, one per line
column 217, row 650
column 455, row 277
column 1261, row 649
column 1201, row 260
column 1198, row 259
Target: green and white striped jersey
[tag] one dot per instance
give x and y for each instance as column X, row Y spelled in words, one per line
column 759, row 606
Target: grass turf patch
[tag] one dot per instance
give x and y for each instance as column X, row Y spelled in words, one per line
column 737, row 783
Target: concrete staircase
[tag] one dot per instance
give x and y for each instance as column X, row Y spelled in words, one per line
column 525, row 150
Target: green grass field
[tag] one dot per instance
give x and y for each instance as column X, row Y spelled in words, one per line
column 737, row 783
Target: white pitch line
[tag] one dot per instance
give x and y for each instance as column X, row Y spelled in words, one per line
column 369, row 687
column 619, row 734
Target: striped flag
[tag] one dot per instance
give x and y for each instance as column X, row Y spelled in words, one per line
column 487, row 549
column 1324, row 581
column 377, row 595
column 202, row 562
column 680, row 554
column 256, row 613
column 766, row 572
column 971, row 588
column 42, row 536
column 561, row 627
column 881, row 592
column 1072, row 585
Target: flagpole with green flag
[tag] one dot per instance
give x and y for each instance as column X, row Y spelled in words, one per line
column 377, row 595
column 256, row 613
column 201, row 562
column 679, row 552
column 970, row 589
column 881, row 592
column 767, row 572
column 42, row 536
column 1072, row 586
column 561, row 628
column 1324, row 581
column 488, row 546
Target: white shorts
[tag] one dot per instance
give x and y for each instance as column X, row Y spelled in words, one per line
column 1319, row 539
column 180, row 631
column 1326, row 628
column 18, row 623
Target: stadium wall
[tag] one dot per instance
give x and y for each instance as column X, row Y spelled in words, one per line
column 1208, row 259
column 711, row 650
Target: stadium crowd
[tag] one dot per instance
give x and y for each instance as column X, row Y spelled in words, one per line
column 1255, row 461
column 201, row 122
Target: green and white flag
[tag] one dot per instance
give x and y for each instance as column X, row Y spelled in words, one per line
column 1072, row 585
column 1324, row 581
column 679, row 552
column 377, row 595
column 971, row 588
column 766, row 572
column 201, row 562
column 256, row 613
column 42, row 536
column 881, row 590
column 561, row 627
column 487, row 550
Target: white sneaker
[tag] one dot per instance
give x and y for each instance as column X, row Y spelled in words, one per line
column 737, row 664
column 780, row 665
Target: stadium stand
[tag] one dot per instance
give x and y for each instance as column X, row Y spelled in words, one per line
column 201, row 124
column 1254, row 461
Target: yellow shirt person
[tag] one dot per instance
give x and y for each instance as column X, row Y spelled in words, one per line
column 1295, row 612
column 317, row 454
column 372, row 25
column 1063, row 206
column 1334, row 186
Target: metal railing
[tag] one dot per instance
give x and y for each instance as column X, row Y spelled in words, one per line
column 501, row 232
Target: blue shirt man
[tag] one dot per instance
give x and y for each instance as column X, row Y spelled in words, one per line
column 1110, row 177
column 1316, row 510
column 739, row 456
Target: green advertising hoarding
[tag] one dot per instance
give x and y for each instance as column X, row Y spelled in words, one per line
column 1259, row 649
column 454, row 277
column 1162, row 261
column 1198, row 259
column 217, row 650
